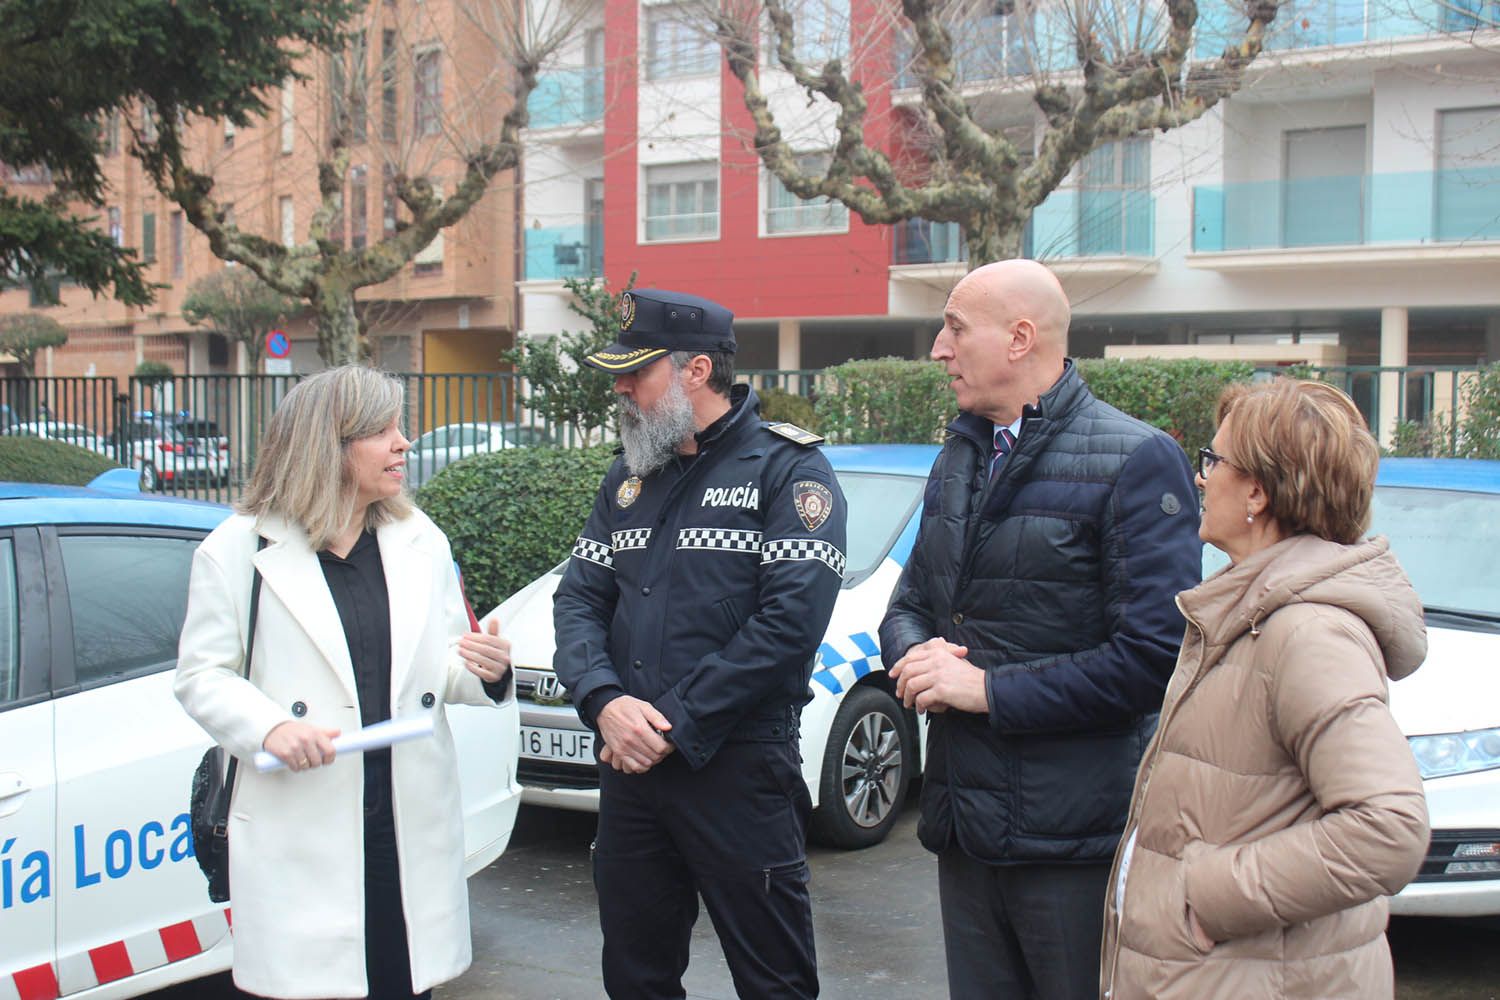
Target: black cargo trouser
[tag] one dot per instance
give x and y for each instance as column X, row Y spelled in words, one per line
column 734, row 832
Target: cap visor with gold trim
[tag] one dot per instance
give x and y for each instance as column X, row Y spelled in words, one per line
column 655, row 322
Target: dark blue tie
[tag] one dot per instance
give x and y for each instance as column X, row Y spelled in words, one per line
column 1004, row 442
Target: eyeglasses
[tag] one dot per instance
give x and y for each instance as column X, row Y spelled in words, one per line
column 1208, row 458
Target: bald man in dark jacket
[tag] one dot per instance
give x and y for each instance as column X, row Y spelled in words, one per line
column 1036, row 622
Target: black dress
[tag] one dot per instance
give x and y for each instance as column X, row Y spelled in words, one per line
column 357, row 583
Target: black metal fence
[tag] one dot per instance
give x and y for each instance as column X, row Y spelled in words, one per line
column 197, row 435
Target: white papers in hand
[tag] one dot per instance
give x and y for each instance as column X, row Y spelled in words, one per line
column 381, row 734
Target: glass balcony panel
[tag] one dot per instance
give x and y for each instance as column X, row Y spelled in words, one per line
column 561, row 252
column 920, row 241
column 1440, row 206
column 567, row 97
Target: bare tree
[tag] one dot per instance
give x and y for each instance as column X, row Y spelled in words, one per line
column 1066, row 76
column 455, row 129
column 240, row 307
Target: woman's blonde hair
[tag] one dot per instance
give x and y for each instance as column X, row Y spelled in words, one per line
column 1308, row 447
column 309, row 437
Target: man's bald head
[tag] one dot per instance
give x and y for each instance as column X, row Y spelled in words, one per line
column 1004, row 339
column 1023, row 289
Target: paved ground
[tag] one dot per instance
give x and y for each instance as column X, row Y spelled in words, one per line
column 536, row 936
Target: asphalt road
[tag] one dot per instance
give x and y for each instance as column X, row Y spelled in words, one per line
column 536, row 936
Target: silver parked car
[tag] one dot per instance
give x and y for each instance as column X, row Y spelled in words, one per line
column 435, row 450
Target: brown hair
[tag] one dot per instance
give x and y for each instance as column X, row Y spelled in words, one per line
column 1308, row 447
column 302, row 470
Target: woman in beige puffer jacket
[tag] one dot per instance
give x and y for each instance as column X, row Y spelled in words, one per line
column 1278, row 804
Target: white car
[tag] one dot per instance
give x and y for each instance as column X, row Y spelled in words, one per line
column 860, row 748
column 441, row 446
column 166, row 458
column 100, row 893
column 74, row 434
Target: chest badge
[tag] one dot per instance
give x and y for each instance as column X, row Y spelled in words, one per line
column 814, row 503
column 629, row 492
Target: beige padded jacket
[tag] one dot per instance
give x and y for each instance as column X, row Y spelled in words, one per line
column 1278, row 798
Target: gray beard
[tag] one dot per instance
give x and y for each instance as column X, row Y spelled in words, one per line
column 652, row 437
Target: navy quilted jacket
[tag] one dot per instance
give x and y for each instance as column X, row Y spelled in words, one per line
column 1060, row 577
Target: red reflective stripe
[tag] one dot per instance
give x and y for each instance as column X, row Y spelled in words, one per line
column 227, row 918
column 37, row 983
column 180, row 940
column 111, row 962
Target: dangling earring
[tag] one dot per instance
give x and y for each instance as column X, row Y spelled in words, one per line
column 1249, row 516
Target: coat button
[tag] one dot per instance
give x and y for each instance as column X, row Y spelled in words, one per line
column 299, row 709
column 638, row 664
column 428, row 700
column 958, row 618
column 775, row 730
column 645, row 591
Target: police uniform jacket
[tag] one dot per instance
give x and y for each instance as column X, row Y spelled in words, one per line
column 1059, row 575
column 296, row 864
column 704, row 588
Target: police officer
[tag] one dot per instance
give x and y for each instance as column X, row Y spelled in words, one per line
column 687, row 621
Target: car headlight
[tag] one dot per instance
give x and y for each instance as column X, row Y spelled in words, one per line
column 1456, row 753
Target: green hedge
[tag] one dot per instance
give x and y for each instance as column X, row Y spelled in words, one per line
column 513, row 514
column 1177, row 396
column 892, row 400
column 778, row 404
column 38, row 460
column 885, row 401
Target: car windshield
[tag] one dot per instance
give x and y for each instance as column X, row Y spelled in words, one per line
column 878, row 509
column 526, row 435
column 1446, row 541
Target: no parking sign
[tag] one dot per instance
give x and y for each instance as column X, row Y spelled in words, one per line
column 278, row 350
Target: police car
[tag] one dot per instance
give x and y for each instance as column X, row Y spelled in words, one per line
column 860, row 748
column 99, row 888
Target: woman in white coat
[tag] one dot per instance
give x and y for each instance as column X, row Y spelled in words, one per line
column 346, row 874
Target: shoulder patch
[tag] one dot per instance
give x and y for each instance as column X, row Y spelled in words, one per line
column 794, row 433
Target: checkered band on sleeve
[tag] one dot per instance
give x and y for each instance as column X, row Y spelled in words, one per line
column 632, row 538
column 594, row 552
column 727, row 539
column 804, row 548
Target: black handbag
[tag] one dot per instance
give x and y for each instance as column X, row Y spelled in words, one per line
column 213, row 786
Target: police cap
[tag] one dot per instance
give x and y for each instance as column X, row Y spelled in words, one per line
column 655, row 322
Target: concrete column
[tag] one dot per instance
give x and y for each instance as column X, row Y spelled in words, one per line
column 1492, row 339
column 1393, row 344
column 242, row 359
column 140, row 349
column 789, row 349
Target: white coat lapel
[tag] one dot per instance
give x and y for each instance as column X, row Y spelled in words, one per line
column 408, row 581
column 292, row 572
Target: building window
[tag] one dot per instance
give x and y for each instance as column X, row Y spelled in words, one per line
column 678, row 44
column 228, row 134
column 148, row 123
column 112, row 134
column 288, row 222
column 388, row 107
column 179, row 248
column 682, row 201
column 116, row 228
column 346, row 86
column 820, row 28
column 1469, row 15
column 427, row 94
column 787, row 213
column 388, row 201
column 429, row 260
column 1468, row 165
column 1323, row 194
column 358, row 226
column 148, row 237
column 288, row 121
column 1114, row 199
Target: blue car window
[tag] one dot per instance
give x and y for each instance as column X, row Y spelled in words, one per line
column 10, row 672
column 878, row 506
column 128, row 596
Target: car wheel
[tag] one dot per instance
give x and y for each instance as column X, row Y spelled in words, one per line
column 866, row 771
column 149, row 482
